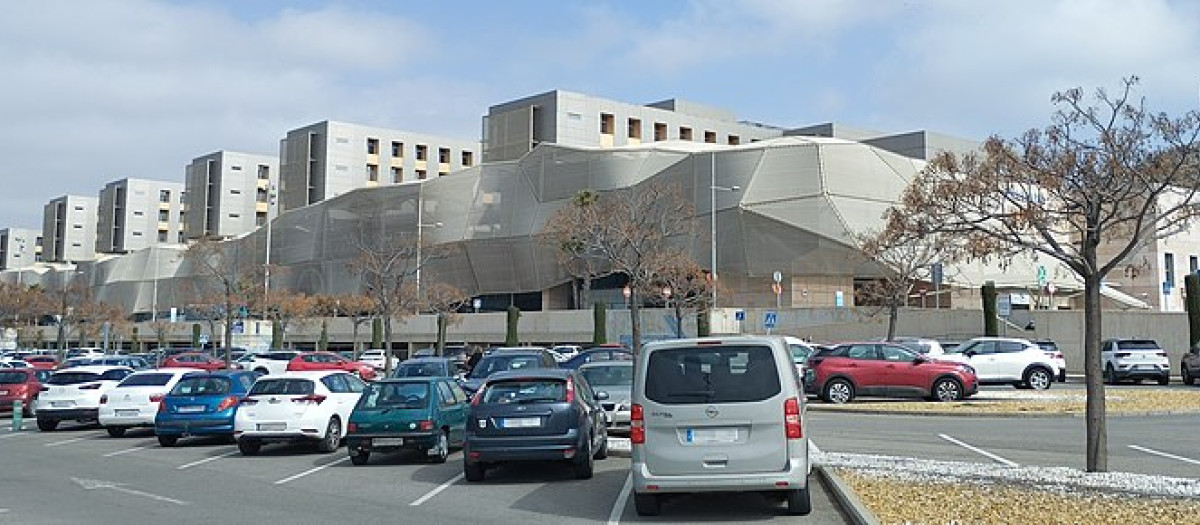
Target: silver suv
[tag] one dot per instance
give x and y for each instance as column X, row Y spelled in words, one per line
column 718, row 415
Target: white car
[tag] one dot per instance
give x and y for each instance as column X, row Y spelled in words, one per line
column 565, row 352
column 134, row 401
column 73, row 394
column 1134, row 359
column 14, row 363
column 999, row 360
column 376, row 359
column 268, row 363
column 297, row 406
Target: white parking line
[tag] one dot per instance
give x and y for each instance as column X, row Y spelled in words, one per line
column 126, row 451
column 206, row 460
column 67, row 441
column 312, row 470
column 436, row 491
column 979, row 451
column 1165, row 455
column 614, row 516
column 13, row 434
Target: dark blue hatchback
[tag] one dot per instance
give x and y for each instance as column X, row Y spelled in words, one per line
column 202, row 404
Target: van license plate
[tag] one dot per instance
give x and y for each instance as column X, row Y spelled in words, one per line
column 712, row 435
column 388, row 442
column 521, row 422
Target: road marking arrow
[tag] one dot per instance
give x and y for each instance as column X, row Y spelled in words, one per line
column 93, row 484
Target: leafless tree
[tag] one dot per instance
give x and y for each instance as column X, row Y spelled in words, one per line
column 360, row 309
column 1102, row 179
column 445, row 300
column 684, row 287
column 286, row 309
column 567, row 232
column 231, row 275
column 901, row 261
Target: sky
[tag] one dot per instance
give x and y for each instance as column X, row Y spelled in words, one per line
column 93, row 91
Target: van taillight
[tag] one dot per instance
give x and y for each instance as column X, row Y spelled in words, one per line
column 791, row 419
column 637, row 425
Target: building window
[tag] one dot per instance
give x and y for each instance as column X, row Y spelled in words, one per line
column 444, row 155
column 468, row 159
column 397, row 149
column 635, row 128
column 162, row 236
column 372, row 173
column 138, row 213
column 710, row 137
column 685, row 133
column 260, row 218
column 422, row 151
column 397, row 175
column 77, row 226
column 164, row 196
column 372, row 146
column 264, row 172
column 235, row 192
column 660, row 131
column 235, row 216
column 261, row 195
column 734, row 140
column 1193, row 264
column 1169, row 270
column 420, row 174
column 137, row 234
column 235, row 168
column 164, row 215
column 180, row 241
column 607, row 122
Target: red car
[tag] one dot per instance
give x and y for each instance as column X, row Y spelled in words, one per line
column 42, row 362
column 330, row 361
column 888, row 370
column 194, row 360
column 19, row 383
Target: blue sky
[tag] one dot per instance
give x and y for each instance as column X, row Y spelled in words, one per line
column 137, row 88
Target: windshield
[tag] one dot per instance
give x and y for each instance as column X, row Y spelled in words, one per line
column 527, row 391
column 1142, row 345
column 12, row 378
column 609, row 375
column 395, row 395
column 420, row 370
column 499, row 363
column 72, row 378
column 283, row 387
column 202, row 386
column 146, row 380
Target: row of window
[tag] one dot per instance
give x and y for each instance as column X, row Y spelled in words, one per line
column 397, row 173
column 422, row 152
column 634, row 130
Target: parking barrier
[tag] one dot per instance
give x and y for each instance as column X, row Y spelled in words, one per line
column 17, row 413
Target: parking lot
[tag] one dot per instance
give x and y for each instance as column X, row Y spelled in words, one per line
column 80, row 474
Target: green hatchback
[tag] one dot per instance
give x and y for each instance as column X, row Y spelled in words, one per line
column 421, row 413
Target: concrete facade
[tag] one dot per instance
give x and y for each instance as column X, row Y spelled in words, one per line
column 229, row 193
column 69, row 229
column 20, row 248
column 135, row 213
column 326, row 159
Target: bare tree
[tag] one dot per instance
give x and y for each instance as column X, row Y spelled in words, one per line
column 445, row 300
column 233, row 277
column 286, row 309
column 360, row 309
column 902, row 261
column 567, row 231
column 21, row 305
column 1104, row 178
column 684, row 286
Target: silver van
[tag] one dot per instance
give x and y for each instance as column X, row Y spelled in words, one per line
column 718, row 414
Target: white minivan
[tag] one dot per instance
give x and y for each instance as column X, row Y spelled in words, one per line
column 718, row 414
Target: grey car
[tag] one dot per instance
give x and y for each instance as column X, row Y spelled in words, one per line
column 614, row 378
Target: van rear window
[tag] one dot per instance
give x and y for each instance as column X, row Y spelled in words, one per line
column 712, row 374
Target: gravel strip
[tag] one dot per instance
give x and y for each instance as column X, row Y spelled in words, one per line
column 1019, row 402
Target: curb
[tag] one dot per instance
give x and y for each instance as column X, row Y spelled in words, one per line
column 846, row 498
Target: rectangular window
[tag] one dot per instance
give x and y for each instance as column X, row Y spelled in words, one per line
column 397, row 149
column 607, row 122
column 710, row 137
column 422, row 151
column 635, row 128
column 138, row 213
column 162, row 236
column 468, row 159
column 235, row 168
column 685, row 133
column 1169, row 270
column 261, row 195
column 264, row 172
column 137, row 234
column 79, row 208
column 180, row 241
column 734, row 140
column 372, row 146
column 1193, row 264
column 660, row 131
column 420, row 174
column 372, row 173
column 164, row 215
column 164, row 196
column 235, row 192
column 260, row 219
column 397, row 175
column 444, row 155
column 235, row 216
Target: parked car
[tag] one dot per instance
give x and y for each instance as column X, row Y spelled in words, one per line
column 202, row 404
column 42, row 362
column 74, row 394
column 310, row 361
column 1189, row 366
column 801, row 352
column 376, row 359
column 427, row 413
column 921, row 345
column 565, row 352
column 535, row 415
column 615, row 380
column 136, row 363
column 19, row 384
column 729, row 404
column 134, row 401
column 1135, row 359
column 1055, row 355
column 269, row 363
column 458, row 352
column 599, row 353
column 427, row 367
column 1000, row 360
column 14, row 363
column 84, row 352
column 194, row 360
column 500, row 360
column 889, row 370
column 297, row 406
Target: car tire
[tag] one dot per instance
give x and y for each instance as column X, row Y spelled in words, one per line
column 946, row 389
column 168, row 441
column 586, row 468
column 838, row 391
column 1110, row 375
column 333, row 436
column 30, row 410
column 602, row 452
column 474, row 471
column 1164, row 380
column 47, row 425
column 361, row 458
column 249, row 447
column 798, row 502
column 1038, row 378
column 262, row 371
column 646, row 504
column 1186, row 376
column 115, row 431
column 441, row 450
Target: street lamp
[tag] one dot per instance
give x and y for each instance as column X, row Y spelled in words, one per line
column 420, row 239
column 267, row 257
column 20, row 253
column 627, row 293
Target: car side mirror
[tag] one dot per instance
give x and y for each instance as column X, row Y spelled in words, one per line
column 920, row 358
column 601, row 396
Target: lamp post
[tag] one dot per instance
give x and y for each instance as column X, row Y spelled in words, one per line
column 267, row 256
column 20, row 241
column 627, row 293
column 420, row 240
column 712, row 212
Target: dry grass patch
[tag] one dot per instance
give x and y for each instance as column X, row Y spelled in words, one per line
column 1066, row 402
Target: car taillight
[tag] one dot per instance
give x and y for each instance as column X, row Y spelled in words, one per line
column 249, row 401
column 352, row 427
column 162, row 406
column 94, row 386
column 425, row 425
column 1162, row 354
column 227, row 403
column 157, row 398
column 570, row 390
column 637, row 425
column 104, row 399
column 311, row 399
column 1058, row 355
column 791, row 418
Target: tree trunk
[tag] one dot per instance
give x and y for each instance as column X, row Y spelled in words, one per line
column 354, row 339
column 893, row 313
column 387, row 338
column 1097, row 432
column 586, row 294
column 441, row 334
column 228, row 332
column 635, row 321
column 678, row 321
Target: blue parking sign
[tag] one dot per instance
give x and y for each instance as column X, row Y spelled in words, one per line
column 739, row 315
column 769, row 320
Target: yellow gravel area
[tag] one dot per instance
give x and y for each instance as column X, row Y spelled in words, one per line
column 1064, row 402
column 963, row 503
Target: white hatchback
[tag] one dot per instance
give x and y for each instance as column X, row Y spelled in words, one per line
column 73, row 394
column 134, row 401
column 297, row 406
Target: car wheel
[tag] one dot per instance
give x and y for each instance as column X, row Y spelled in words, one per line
column 602, row 452
column 474, row 471
column 360, row 458
column 1186, row 376
column 946, row 389
column 1110, row 375
column 333, row 436
column 798, row 502
column 646, row 504
column 168, row 441
column 838, row 391
column 1164, row 380
column 441, row 450
column 47, row 425
column 585, row 463
column 249, row 447
column 262, row 371
column 115, row 431
column 30, row 410
column 1038, row 378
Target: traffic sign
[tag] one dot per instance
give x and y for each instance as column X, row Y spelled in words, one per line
column 769, row 319
column 739, row 315
column 203, row 339
column 1041, row 275
column 1004, row 305
column 778, row 276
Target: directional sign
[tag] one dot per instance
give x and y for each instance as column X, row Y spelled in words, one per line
column 1041, row 275
column 769, row 319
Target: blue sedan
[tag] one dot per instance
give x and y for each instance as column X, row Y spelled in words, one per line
column 202, row 404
